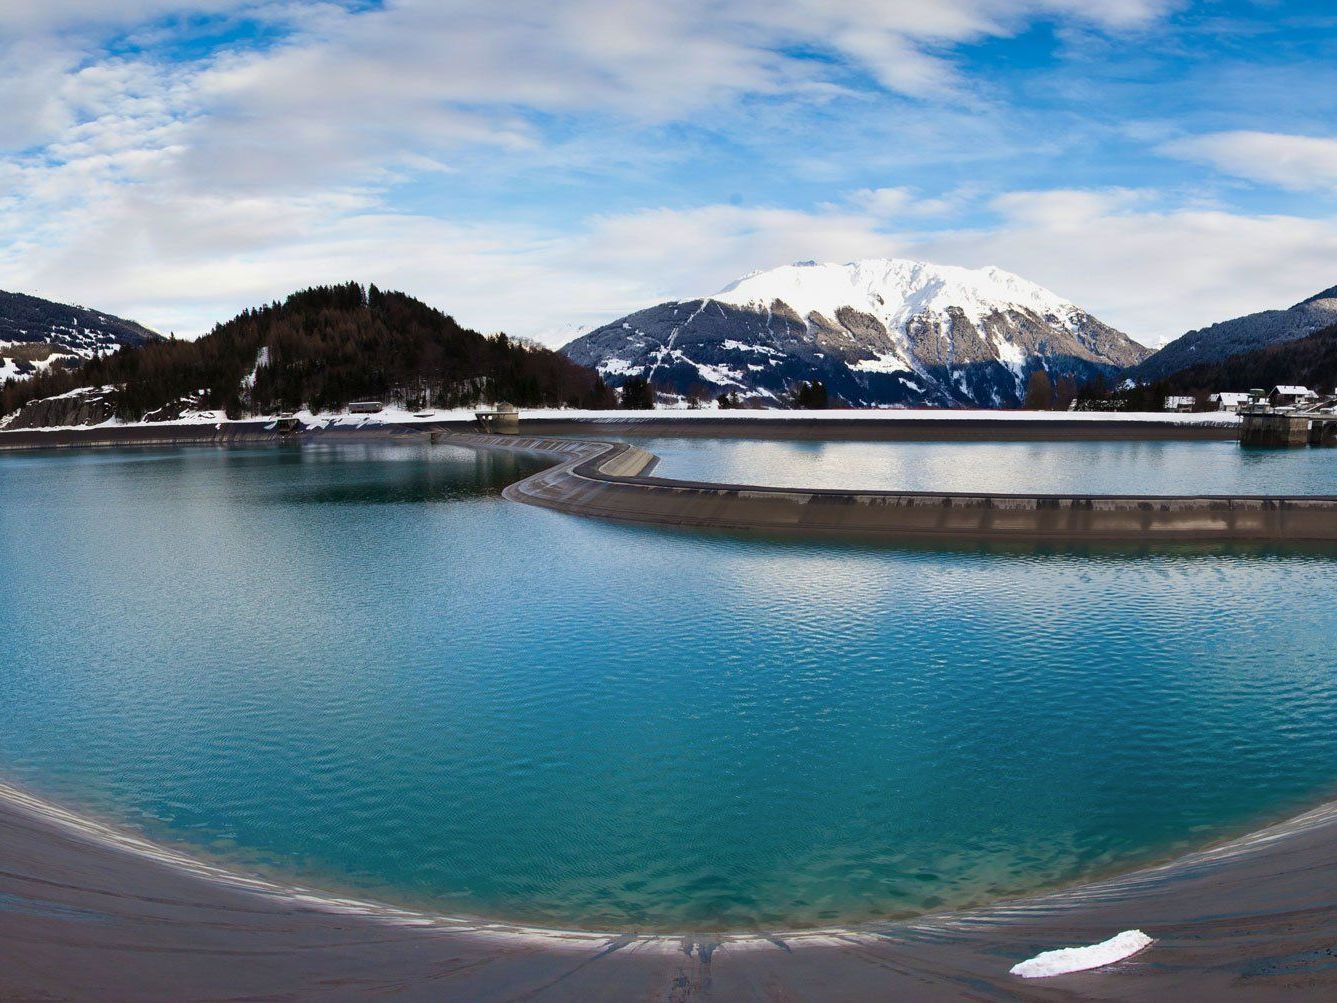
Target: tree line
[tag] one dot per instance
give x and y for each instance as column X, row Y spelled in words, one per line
column 1310, row 361
column 322, row 348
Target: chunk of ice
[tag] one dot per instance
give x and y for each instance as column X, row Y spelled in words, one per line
column 1079, row 959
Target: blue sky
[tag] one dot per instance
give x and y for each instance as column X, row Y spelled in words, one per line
column 538, row 167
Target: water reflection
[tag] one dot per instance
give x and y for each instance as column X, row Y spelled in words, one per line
column 1112, row 467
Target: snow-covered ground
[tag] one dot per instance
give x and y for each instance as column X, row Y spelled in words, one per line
column 399, row 416
column 9, row 365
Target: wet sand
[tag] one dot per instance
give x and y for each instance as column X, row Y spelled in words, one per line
column 89, row 914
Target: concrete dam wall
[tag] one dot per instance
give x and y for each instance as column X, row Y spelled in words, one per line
column 608, row 481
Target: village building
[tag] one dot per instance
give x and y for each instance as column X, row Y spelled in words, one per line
column 1290, row 396
column 1229, row 400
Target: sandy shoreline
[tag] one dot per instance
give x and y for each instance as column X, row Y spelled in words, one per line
column 87, row 913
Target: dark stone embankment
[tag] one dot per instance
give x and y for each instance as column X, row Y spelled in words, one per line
column 199, row 434
column 166, row 434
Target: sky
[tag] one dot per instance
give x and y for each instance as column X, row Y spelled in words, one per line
column 537, row 167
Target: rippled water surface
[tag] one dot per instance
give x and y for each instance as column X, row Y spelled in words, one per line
column 1116, row 467
column 358, row 665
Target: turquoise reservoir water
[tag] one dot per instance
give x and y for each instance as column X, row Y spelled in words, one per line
column 359, row 666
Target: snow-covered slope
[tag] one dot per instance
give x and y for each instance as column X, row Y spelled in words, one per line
column 881, row 331
column 893, row 290
column 37, row 333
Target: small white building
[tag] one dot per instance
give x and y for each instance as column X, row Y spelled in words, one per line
column 1229, row 400
column 1289, row 396
column 1180, row 403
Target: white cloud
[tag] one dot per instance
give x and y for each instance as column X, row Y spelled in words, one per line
column 32, row 76
column 1152, row 272
column 1301, row 163
column 355, row 95
column 49, row 15
column 883, row 202
column 902, row 202
column 1067, row 209
column 182, row 265
column 180, row 193
column 415, row 76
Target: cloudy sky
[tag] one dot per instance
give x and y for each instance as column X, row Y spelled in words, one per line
column 534, row 166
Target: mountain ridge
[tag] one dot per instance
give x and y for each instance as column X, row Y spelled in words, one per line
column 1309, row 361
column 1252, row 332
column 37, row 333
column 880, row 331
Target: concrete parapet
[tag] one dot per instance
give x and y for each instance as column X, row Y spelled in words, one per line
column 607, row 480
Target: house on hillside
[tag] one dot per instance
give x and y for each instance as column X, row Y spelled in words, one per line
column 1229, row 401
column 1181, row 404
column 1289, row 396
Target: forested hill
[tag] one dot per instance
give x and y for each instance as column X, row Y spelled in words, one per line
column 322, row 348
column 1310, row 362
column 36, row 334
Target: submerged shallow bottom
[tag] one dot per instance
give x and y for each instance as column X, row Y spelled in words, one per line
column 89, row 916
column 358, row 665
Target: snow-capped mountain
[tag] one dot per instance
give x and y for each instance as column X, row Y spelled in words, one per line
column 37, row 333
column 881, row 331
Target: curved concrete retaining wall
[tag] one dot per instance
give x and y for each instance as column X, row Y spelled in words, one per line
column 606, row 480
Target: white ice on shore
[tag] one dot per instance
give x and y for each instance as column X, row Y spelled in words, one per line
column 1081, row 959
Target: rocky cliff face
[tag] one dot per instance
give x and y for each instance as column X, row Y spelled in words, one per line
column 86, row 406
column 883, row 332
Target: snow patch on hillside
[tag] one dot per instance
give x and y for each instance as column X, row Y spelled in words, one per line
column 261, row 360
column 887, row 363
column 619, row 367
